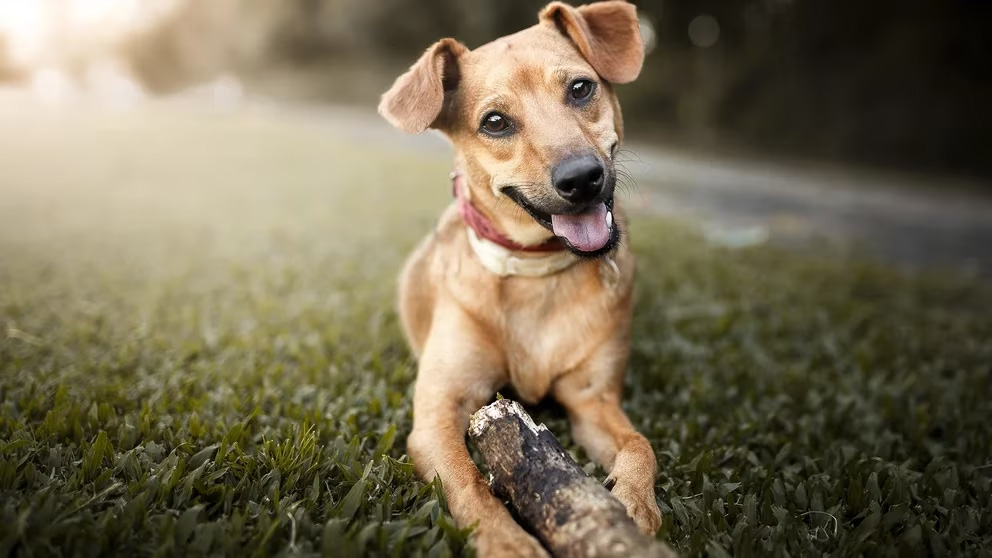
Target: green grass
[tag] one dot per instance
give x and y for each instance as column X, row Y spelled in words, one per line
column 199, row 355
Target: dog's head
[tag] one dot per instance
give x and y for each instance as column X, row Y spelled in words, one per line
column 534, row 119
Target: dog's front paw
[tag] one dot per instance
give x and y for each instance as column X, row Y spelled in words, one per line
column 507, row 542
column 640, row 503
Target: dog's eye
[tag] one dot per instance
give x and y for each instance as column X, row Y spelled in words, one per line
column 581, row 90
column 495, row 124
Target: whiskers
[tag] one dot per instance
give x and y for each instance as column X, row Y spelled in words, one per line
column 625, row 180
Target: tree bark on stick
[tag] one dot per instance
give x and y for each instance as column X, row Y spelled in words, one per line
column 570, row 512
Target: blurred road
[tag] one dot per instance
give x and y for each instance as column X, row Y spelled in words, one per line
column 909, row 220
column 912, row 221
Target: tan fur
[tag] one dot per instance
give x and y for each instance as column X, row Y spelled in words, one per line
column 417, row 96
column 564, row 335
column 606, row 33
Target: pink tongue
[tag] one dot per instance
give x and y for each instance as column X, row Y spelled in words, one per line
column 586, row 231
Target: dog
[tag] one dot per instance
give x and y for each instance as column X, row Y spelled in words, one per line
column 525, row 281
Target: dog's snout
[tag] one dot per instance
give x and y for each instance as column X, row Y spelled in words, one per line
column 578, row 178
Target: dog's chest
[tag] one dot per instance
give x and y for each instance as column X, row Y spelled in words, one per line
column 551, row 330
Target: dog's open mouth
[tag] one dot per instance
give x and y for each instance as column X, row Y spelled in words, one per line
column 588, row 233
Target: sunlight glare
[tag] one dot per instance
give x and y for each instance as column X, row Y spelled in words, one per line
column 22, row 24
column 35, row 29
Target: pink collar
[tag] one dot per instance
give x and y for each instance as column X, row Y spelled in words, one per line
column 485, row 228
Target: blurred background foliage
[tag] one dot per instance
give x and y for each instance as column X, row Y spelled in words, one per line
column 902, row 83
column 894, row 82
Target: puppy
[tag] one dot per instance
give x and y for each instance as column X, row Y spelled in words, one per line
column 524, row 282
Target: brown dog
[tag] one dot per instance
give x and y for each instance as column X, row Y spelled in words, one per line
column 524, row 281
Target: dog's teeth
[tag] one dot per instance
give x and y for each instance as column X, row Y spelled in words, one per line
column 609, row 219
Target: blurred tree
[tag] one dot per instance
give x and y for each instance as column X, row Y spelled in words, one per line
column 887, row 81
column 8, row 69
column 901, row 82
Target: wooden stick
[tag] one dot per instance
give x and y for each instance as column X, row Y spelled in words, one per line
column 570, row 512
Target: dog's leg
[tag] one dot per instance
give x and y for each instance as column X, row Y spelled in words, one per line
column 416, row 296
column 591, row 396
column 459, row 372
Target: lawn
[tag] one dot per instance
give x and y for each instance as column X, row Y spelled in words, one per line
column 199, row 355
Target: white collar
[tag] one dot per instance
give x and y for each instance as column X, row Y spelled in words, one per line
column 502, row 262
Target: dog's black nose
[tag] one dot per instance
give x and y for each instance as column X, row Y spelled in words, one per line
column 578, row 178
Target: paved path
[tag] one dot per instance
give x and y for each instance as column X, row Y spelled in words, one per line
column 909, row 220
column 918, row 222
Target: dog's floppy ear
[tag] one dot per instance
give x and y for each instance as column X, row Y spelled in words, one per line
column 606, row 33
column 415, row 101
